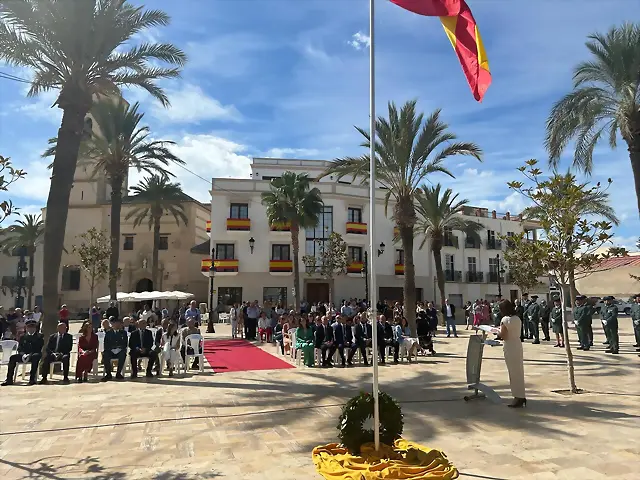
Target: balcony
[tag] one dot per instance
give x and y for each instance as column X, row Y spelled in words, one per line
column 475, row 277
column 493, row 244
column 280, row 266
column 221, row 267
column 208, row 226
column 471, row 243
column 493, row 277
column 399, row 269
column 357, row 228
column 10, row 282
column 280, row 227
column 238, row 224
column 450, row 241
column 452, row 276
column 355, row 267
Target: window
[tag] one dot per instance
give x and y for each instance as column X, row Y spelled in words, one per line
column 355, row 254
column 225, row 251
column 280, row 252
column 471, row 263
column 493, row 265
column 128, row 242
column 491, row 239
column 472, row 240
column 399, row 257
column 239, row 211
column 317, row 237
column 275, row 295
column 164, row 243
column 448, row 262
column 229, row 295
column 71, row 278
column 354, row 215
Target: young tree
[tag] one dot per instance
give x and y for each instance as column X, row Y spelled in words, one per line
column 332, row 261
column 572, row 238
column 616, row 252
column 523, row 258
column 94, row 251
column 8, row 175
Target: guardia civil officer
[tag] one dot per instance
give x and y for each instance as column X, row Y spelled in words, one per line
column 635, row 317
column 556, row 322
column 582, row 316
column 533, row 316
column 610, row 322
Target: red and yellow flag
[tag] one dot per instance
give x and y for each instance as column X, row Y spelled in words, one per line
column 462, row 30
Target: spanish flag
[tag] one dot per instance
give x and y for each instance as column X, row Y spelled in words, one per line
column 461, row 28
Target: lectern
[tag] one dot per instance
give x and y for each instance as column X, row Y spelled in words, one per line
column 474, row 364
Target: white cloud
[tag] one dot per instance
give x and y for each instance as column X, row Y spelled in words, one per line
column 191, row 104
column 291, row 153
column 207, row 156
column 35, row 185
column 359, row 41
column 40, row 107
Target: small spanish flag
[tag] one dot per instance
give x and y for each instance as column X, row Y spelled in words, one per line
column 461, row 28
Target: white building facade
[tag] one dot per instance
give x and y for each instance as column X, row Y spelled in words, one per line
column 253, row 259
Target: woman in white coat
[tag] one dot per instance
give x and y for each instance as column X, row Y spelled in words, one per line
column 171, row 343
column 510, row 327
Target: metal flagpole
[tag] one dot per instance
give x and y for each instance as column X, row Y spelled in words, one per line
column 372, row 222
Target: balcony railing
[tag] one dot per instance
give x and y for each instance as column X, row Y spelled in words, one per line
column 208, row 226
column 280, row 265
column 357, row 228
column 452, row 276
column 471, row 243
column 355, row 267
column 399, row 269
column 238, row 224
column 493, row 277
column 494, row 244
column 475, row 277
column 451, row 241
column 10, row 282
column 220, row 266
column 281, row 227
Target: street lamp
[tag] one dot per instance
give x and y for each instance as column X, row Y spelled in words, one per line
column 212, row 272
column 252, row 243
column 500, row 272
column 365, row 274
column 20, row 278
column 381, row 248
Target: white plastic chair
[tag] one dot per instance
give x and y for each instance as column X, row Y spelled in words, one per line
column 293, row 350
column 194, row 341
column 9, row 347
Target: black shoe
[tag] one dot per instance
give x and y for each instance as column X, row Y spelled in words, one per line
column 65, row 381
column 614, row 352
column 608, row 350
column 605, row 343
column 349, row 363
column 586, row 349
column 133, row 376
column 6, row 383
column 580, row 348
column 106, row 378
column 636, row 345
column 31, row 382
column 518, row 403
column 637, row 349
column 119, row 376
column 44, row 381
column 149, row 375
column 547, row 339
column 536, row 342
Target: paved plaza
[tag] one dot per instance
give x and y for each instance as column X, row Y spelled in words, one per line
column 263, row 425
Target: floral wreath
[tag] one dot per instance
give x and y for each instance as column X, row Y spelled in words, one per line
column 360, row 408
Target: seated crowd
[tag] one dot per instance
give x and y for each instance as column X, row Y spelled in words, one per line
column 149, row 337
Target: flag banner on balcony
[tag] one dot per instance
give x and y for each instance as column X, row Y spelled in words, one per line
column 463, row 33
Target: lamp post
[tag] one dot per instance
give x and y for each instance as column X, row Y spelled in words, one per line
column 500, row 272
column 365, row 273
column 20, row 278
column 381, row 248
column 252, row 243
column 212, row 272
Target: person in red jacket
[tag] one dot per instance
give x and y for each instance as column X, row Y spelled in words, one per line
column 63, row 315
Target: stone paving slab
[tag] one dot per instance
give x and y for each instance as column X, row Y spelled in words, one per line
column 263, row 425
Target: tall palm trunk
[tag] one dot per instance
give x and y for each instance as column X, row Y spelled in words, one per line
column 156, row 249
column 116, row 209
column 31, row 278
column 634, row 156
column 406, row 234
column 436, row 247
column 64, row 167
column 295, row 247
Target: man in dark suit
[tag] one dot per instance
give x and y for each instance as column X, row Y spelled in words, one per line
column 339, row 338
column 359, row 341
column 318, row 333
column 58, row 350
column 389, row 340
column 141, row 343
column 115, row 348
column 29, row 350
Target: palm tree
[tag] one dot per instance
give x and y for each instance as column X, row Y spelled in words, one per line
column 27, row 234
column 120, row 144
column 291, row 199
column 82, row 49
column 157, row 197
column 438, row 213
column 408, row 149
column 605, row 101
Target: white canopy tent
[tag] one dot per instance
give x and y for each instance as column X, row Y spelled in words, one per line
column 147, row 296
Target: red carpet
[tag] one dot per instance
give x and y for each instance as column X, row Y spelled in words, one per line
column 240, row 356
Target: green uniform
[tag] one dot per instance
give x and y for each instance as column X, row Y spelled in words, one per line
column 496, row 315
column 533, row 317
column 635, row 317
column 525, row 320
column 556, row 319
column 545, row 311
column 610, row 322
column 582, row 317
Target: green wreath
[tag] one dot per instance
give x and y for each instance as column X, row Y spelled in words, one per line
column 360, row 408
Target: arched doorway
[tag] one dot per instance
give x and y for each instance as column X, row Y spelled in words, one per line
column 144, row 285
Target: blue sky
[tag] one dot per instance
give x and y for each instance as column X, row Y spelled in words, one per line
column 290, row 78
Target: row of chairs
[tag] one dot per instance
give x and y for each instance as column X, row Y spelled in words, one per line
column 195, row 341
column 297, row 355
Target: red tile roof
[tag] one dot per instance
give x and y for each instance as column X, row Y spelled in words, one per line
column 617, row 262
